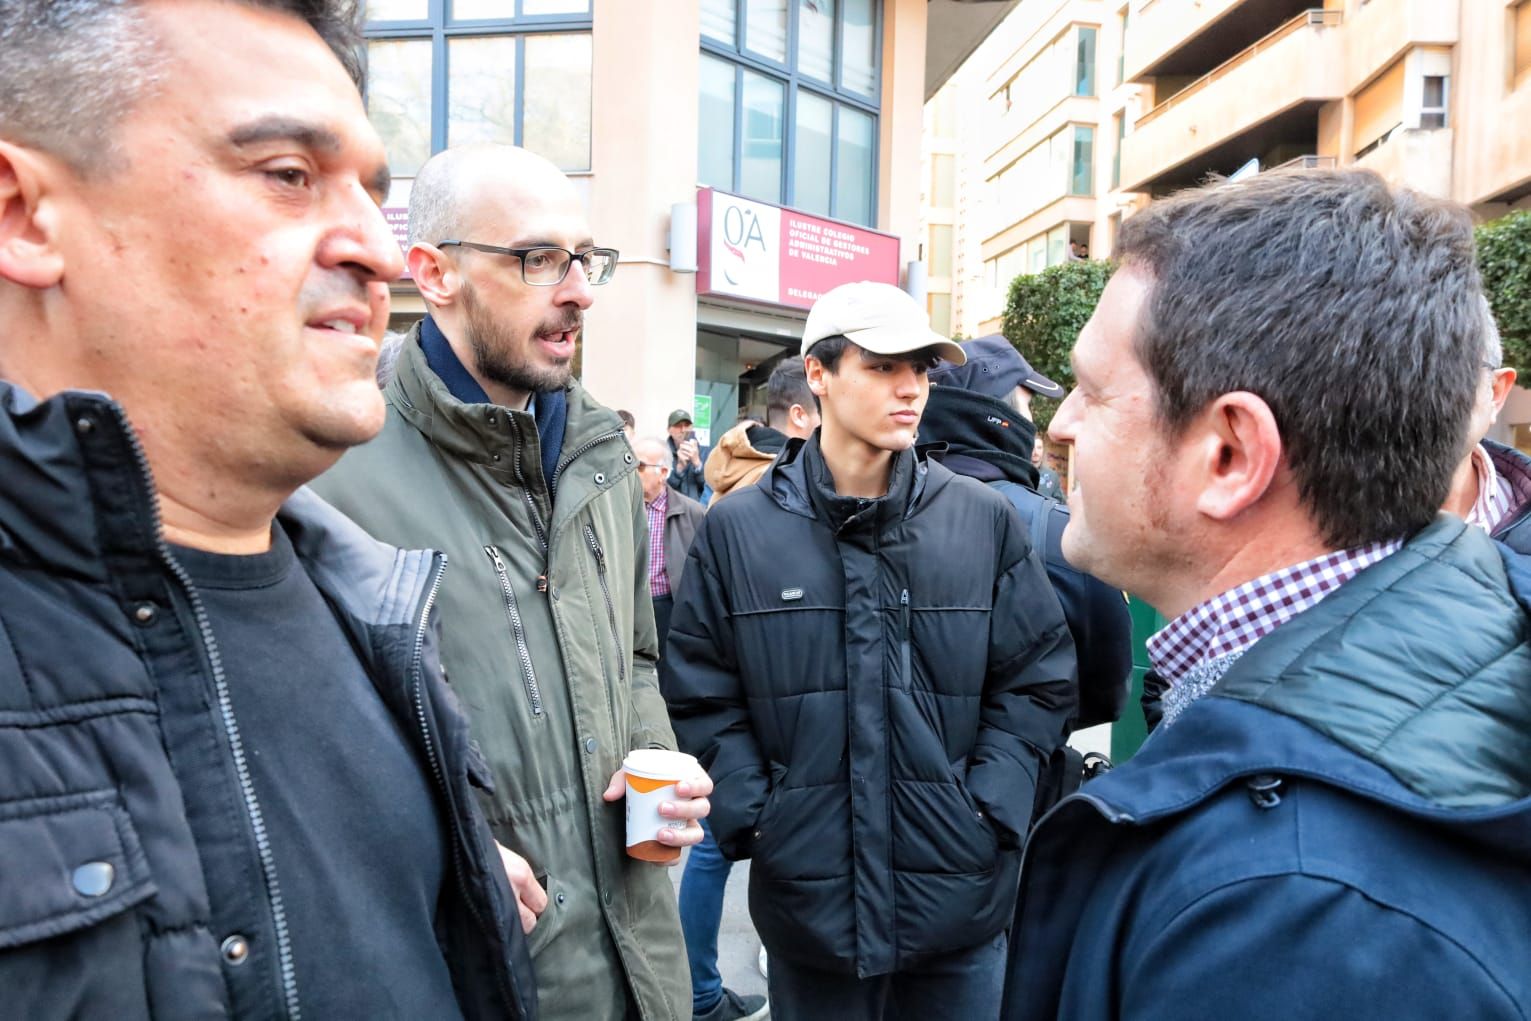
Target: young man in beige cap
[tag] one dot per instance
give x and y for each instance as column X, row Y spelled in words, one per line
column 868, row 658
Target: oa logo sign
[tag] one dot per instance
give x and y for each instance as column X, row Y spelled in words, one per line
column 741, row 232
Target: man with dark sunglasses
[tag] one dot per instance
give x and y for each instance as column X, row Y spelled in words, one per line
column 494, row 455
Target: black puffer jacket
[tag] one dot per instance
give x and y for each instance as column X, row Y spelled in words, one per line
column 872, row 685
column 988, row 441
column 119, row 745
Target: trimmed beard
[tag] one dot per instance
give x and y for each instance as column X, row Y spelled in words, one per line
column 495, row 348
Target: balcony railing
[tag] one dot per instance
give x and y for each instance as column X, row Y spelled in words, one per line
column 1312, row 16
column 1308, row 163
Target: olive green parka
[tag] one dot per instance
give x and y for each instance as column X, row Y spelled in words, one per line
column 548, row 639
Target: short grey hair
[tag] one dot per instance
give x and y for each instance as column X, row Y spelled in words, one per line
column 70, row 70
column 434, row 201
column 1493, row 347
column 663, row 443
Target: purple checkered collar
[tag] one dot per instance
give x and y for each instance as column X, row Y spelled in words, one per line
column 1229, row 623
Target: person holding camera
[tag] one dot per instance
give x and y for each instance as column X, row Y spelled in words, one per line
column 686, row 475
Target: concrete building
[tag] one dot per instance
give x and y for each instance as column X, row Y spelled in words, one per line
column 743, row 155
column 1434, row 94
column 1073, row 113
column 1021, row 152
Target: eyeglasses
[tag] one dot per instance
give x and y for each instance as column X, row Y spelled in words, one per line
column 546, row 266
column 650, row 464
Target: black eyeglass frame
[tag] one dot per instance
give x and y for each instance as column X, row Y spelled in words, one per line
column 522, row 253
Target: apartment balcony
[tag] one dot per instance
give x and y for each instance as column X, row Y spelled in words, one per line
column 1187, row 38
column 1262, row 103
column 1378, row 32
column 1418, row 158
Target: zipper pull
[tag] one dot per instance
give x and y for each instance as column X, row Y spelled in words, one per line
column 494, row 554
column 903, row 609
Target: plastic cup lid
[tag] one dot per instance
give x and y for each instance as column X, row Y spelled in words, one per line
column 661, row 764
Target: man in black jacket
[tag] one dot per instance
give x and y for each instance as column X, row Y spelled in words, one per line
column 981, row 411
column 233, row 782
column 867, row 656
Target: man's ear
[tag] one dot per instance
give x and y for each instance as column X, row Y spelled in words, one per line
column 1239, row 451
column 29, row 253
column 437, row 276
column 814, row 371
column 1504, row 379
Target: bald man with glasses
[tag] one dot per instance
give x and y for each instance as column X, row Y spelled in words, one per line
column 493, row 454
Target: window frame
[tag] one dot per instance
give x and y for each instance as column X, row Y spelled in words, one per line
column 441, row 31
column 793, row 81
column 1442, row 111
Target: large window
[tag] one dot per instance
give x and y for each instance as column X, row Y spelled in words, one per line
column 1121, row 46
column 1116, row 156
column 1038, row 253
column 1084, row 63
column 1064, row 67
column 789, row 103
column 1060, row 165
column 939, row 258
column 443, row 72
column 943, row 180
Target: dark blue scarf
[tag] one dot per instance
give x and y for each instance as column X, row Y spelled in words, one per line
column 552, row 407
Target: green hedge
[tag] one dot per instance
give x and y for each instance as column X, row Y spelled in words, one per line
column 1504, row 258
column 1043, row 316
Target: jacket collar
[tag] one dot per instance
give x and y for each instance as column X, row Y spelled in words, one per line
column 1368, row 692
column 1446, row 711
column 1514, row 466
column 478, row 432
column 48, row 504
column 798, row 482
column 677, row 503
column 73, row 499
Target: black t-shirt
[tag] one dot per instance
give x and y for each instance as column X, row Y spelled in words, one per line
column 357, row 836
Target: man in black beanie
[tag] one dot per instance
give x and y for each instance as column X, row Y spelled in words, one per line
column 982, row 412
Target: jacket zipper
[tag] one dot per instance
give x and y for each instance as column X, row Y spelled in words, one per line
column 611, row 616
column 531, row 503
column 533, row 692
column 285, row 964
column 579, row 451
column 416, row 674
column 908, row 639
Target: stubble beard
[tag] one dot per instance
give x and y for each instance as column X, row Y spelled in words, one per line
column 503, row 358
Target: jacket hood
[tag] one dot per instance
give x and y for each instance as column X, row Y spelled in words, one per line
column 1377, row 690
column 977, row 427
column 1218, row 741
column 736, row 456
column 1438, row 700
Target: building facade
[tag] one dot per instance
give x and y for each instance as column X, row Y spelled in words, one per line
column 1022, row 150
column 1432, row 94
column 679, row 120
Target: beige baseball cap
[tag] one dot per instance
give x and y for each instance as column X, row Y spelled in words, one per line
column 879, row 318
